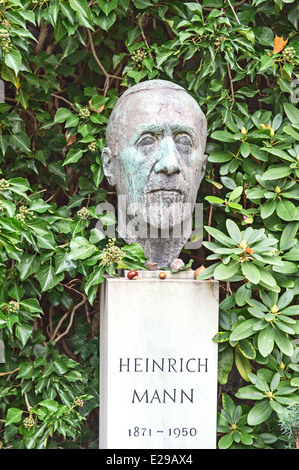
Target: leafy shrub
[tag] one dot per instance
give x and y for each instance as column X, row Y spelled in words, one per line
column 64, row 64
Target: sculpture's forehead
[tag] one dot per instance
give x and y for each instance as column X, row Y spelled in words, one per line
column 159, row 105
column 156, row 107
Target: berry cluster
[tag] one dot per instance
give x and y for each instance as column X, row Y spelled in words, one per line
column 289, row 55
column 12, row 307
column 12, row 273
column 1, row 206
column 218, row 41
column 83, row 213
column 28, row 422
column 6, row 24
column 289, row 52
column 78, row 402
column 92, row 147
column 23, row 213
column 4, row 184
column 138, row 56
column 84, row 113
column 112, row 254
column 5, row 40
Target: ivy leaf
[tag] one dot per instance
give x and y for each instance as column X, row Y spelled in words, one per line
column 46, row 241
column 73, row 156
column 29, row 264
column 23, row 332
column 266, row 62
column 13, row 59
column 14, row 415
column 47, row 278
column 98, row 174
column 80, row 6
column 32, row 305
column 50, row 405
column 21, row 142
column 64, row 263
column 62, row 115
column 4, row 142
column 94, row 279
column 141, row 4
column 107, row 5
column 33, row 439
column 25, row 370
column 23, row 98
column 81, row 248
column 105, row 22
column 9, row 75
column 39, row 205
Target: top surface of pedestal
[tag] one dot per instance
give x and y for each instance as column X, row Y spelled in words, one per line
column 148, row 275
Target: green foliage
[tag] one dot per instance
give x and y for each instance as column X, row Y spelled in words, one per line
column 289, row 424
column 64, row 64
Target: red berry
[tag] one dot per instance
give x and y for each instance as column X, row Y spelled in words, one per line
column 132, row 275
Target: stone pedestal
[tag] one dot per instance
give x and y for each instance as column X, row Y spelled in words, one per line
column 158, row 363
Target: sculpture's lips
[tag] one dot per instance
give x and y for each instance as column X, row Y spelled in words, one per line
column 155, row 190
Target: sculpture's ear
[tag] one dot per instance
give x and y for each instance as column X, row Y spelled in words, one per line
column 108, row 165
column 204, row 164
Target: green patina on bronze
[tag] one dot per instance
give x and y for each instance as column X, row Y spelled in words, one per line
column 156, row 138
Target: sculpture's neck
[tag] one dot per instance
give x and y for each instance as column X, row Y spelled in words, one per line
column 162, row 251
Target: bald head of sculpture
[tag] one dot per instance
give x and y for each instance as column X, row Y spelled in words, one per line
column 155, row 139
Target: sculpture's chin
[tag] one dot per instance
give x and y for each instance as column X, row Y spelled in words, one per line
column 163, row 208
column 165, row 221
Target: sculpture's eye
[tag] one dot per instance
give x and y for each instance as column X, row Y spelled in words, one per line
column 184, row 140
column 146, row 140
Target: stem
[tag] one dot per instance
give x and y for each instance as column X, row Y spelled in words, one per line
column 65, row 100
column 232, row 8
column 70, row 322
column 27, row 402
column 43, row 34
column 38, row 192
column 231, row 84
column 142, row 32
column 107, row 75
column 10, row 372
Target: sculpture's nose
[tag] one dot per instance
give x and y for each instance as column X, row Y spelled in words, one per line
column 168, row 157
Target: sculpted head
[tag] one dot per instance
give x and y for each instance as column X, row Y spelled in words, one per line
column 155, row 139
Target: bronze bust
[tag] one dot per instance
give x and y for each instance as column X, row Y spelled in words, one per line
column 154, row 155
